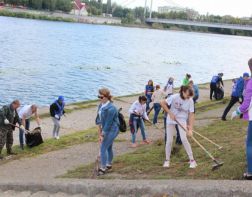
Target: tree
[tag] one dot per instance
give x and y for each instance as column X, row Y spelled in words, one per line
column 64, row 5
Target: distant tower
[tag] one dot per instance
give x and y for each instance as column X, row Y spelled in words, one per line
column 108, row 6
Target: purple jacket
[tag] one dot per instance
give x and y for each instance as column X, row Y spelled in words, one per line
column 244, row 108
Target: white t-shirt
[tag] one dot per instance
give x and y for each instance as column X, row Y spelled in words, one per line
column 158, row 96
column 169, row 89
column 180, row 108
column 25, row 111
column 141, row 109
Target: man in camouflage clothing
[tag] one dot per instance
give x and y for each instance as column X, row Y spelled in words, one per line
column 8, row 116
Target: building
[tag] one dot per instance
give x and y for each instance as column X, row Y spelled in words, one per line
column 167, row 9
column 79, row 8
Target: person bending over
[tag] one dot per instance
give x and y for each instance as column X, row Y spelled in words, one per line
column 181, row 109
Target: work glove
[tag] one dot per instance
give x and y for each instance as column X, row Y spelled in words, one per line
column 57, row 117
column 235, row 113
column 23, row 129
column 6, row 121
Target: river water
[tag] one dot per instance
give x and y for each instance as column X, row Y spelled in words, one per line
column 40, row 60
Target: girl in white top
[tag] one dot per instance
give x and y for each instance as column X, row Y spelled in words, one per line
column 181, row 109
column 137, row 116
column 168, row 89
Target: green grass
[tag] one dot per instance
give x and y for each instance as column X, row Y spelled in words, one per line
column 89, row 135
column 146, row 162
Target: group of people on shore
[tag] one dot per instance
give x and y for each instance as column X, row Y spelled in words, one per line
column 176, row 108
column 179, row 112
column 14, row 113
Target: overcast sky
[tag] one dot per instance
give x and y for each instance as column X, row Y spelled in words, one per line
column 219, row 7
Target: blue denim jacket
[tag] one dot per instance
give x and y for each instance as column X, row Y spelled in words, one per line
column 109, row 118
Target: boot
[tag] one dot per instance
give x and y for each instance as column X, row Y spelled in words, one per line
column 9, row 152
column 22, row 146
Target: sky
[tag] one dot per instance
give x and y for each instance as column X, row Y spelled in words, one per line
column 240, row 8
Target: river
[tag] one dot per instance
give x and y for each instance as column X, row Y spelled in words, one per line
column 40, row 60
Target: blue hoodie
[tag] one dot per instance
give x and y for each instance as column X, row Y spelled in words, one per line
column 238, row 87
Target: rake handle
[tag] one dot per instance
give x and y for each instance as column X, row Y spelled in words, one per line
column 18, row 127
column 212, row 142
column 197, row 142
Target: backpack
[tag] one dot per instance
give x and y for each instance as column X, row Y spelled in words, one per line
column 122, row 122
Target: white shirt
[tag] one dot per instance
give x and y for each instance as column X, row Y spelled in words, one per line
column 25, row 111
column 136, row 107
column 180, row 108
column 158, row 96
column 169, row 89
column 102, row 106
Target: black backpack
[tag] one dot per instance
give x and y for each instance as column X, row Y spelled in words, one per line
column 122, row 122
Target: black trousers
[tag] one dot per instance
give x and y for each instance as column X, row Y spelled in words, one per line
column 213, row 88
column 231, row 103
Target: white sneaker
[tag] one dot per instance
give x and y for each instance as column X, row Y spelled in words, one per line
column 57, row 137
column 166, row 164
column 193, row 164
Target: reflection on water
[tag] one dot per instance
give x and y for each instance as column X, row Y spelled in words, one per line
column 40, row 60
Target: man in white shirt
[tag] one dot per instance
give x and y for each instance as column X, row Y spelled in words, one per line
column 25, row 113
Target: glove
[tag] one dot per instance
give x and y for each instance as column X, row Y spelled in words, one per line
column 6, row 121
column 235, row 113
column 22, row 128
column 57, row 117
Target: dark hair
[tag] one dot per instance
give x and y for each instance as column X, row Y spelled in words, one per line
column 142, row 98
column 157, row 87
column 250, row 64
column 185, row 89
column 188, row 76
column 150, row 81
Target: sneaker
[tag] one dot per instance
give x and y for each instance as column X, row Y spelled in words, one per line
column 1, row 157
column 108, row 167
column 11, row 153
column 133, row 145
column 166, row 164
column 101, row 172
column 193, row 164
column 146, row 142
column 57, row 137
column 21, row 146
column 223, row 119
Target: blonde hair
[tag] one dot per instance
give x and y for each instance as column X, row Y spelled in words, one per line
column 106, row 93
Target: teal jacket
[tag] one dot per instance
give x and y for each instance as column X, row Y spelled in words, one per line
column 109, row 119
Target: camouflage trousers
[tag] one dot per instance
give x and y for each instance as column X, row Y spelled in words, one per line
column 6, row 137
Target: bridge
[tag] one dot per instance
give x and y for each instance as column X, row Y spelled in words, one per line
column 199, row 24
column 151, row 20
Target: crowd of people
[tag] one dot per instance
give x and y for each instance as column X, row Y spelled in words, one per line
column 179, row 115
column 178, row 111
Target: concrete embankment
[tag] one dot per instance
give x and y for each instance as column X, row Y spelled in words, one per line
column 113, row 188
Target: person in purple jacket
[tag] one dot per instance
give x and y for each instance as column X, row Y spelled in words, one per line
column 246, row 110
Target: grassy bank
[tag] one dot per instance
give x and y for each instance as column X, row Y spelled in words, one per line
column 146, row 162
column 33, row 16
column 89, row 135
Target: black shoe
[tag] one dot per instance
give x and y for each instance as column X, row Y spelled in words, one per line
column 247, row 176
column 101, row 172
column 1, row 157
column 11, row 153
column 21, row 146
column 223, row 119
column 108, row 168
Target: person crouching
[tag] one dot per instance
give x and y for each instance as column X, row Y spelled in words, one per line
column 181, row 109
column 137, row 116
column 109, row 123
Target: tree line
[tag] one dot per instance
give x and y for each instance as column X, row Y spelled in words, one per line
column 52, row 5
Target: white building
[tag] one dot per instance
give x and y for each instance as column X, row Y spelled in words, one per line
column 166, row 9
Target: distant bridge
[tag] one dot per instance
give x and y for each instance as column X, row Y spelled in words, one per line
column 199, row 24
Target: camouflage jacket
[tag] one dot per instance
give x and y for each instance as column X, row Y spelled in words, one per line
column 6, row 112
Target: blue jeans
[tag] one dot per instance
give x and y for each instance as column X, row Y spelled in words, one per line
column 107, row 148
column 157, row 108
column 138, row 123
column 148, row 102
column 21, row 132
column 249, row 148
